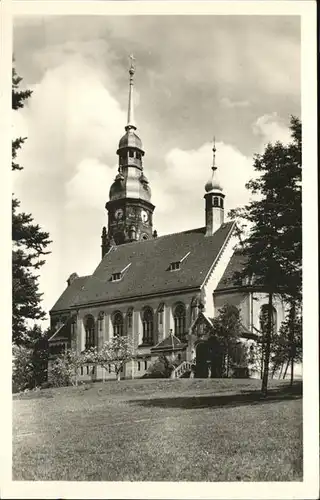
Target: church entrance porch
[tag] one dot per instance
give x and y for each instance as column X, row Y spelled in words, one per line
column 205, row 348
column 209, row 359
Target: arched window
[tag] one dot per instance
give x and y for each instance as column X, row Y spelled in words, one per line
column 89, row 328
column 129, row 318
column 117, row 323
column 179, row 316
column 147, row 326
column 194, row 308
column 160, row 316
column 221, row 202
column 215, row 201
column 264, row 319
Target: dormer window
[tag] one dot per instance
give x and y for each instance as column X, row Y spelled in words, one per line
column 118, row 275
column 176, row 265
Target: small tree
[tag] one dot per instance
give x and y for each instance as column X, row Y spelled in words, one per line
column 288, row 344
column 161, row 368
column 114, row 354
column 22, row 368
column 227, row 327
column 65, row 368
column 30, row 361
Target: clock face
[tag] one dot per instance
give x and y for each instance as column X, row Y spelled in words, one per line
column 144, row 216
column 118, row 213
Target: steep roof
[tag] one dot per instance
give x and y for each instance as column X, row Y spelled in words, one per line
column 66, row 300
column 169, row 343
column 235, row 265
column 148, row 271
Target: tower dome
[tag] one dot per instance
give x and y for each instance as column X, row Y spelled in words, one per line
column 130, row 140
column 213, row 184
column 117, row 188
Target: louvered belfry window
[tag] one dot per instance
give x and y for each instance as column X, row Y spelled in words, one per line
column 179, row 320
column 147, row 325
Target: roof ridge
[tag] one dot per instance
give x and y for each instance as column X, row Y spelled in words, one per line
column 148, row 275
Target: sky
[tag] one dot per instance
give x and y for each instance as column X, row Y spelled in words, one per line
column 235, row 78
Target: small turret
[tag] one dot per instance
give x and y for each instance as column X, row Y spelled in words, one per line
column 214, row 199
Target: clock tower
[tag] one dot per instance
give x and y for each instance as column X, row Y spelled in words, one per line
column 129, row 207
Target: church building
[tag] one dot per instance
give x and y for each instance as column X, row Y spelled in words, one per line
column 162, row 291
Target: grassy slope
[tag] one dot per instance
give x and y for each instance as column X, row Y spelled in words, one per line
column 173, row 430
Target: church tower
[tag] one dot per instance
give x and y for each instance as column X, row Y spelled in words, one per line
column 129, row 207
column 214, row 199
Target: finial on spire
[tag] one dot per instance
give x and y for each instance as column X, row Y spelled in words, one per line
column 130, row 121
column 214, row 154
column 132, row 66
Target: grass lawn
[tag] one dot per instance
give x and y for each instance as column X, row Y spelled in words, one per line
column 160, row 430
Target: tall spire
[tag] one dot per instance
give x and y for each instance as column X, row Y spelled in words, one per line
column 130, row 121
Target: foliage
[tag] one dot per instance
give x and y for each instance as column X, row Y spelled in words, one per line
column 40, row 352
column 29, row 246
column 227, row 328
column 22, row 368
column 65, row 368
column 288, row 344
column 273, row 244
column 30, row 361
column 18, row 95
column 113, row 354
column 160, row 368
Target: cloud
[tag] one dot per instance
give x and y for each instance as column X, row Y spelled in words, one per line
column 73, row 124
column 271, row 129
column 189, row 170
column 225, row 102
column 90, row 185
column 76, row 116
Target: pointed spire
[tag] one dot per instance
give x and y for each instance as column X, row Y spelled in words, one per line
column 213, row 182
column 130, row 121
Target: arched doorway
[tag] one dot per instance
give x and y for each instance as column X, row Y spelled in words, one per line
column 202, row 360
column 209, row 359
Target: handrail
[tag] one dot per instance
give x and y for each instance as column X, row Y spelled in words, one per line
column 181, row 369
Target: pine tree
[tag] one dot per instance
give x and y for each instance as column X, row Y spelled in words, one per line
column 273, row 246
column 29, row 246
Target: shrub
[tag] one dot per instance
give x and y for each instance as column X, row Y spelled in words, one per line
column 22, row 369
column 161, row 368
column 61, row 372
